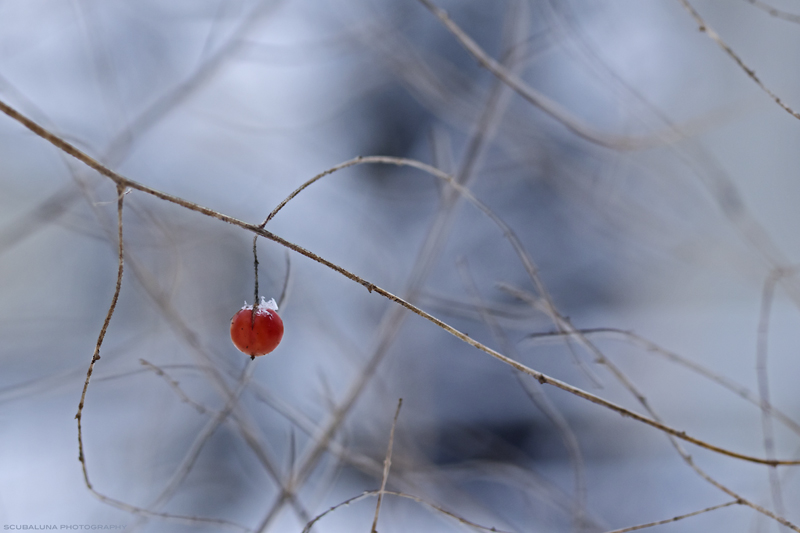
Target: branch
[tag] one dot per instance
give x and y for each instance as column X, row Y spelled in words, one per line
column 705, row 28
column 371, row 287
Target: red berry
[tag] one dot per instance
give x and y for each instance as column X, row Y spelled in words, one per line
column 259, row 336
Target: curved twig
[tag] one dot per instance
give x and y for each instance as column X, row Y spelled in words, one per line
column 417, row 499
column 101, row 337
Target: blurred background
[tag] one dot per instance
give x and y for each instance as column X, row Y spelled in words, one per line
column 666, row 231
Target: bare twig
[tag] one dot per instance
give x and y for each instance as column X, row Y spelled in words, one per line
column 387, row 464
column 255, row 290
column 676, row 518
column 79, row 416
column 649, row 346
column 96, row 354
column 705, row 28
column 371, row 287
column 369, row 493
column 675, row 443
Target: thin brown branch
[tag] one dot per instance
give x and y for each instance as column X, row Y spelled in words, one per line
column 345, row 503
column 101, row 337
column 651, row 347
column 178, row 519
column 676, row 518
column 313, row 180
column 79, row 415
column 387, row 464
column 708, row 30
column 675, row 443
column 255, row 290
column 618, row 374
column 371, row 287
column 417, row 499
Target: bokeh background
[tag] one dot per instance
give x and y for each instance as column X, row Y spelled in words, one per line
column 233, row 105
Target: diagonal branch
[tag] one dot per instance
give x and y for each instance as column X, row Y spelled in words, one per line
column 551, row 107
column 121, row 181
column 676, row 518
column 708, row 30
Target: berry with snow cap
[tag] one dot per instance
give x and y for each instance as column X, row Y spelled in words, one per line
column 259, row 334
